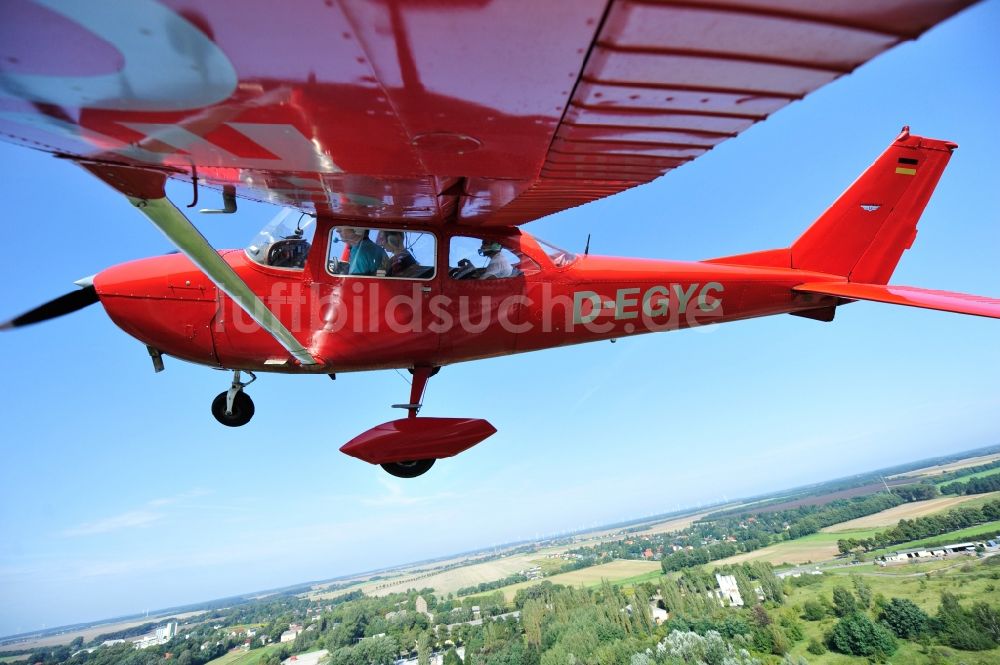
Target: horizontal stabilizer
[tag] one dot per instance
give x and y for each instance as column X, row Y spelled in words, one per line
column 945, row 301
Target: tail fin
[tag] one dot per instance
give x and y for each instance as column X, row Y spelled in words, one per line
column 865, row 232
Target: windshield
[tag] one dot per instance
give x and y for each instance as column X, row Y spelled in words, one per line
column 285, row 241
column 560, row 257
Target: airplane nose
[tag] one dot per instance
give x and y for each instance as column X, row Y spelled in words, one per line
column 163, row 301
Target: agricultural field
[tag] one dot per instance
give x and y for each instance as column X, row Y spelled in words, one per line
column 980, row 474
column 613, row 572
column 909, row 511
column 822, row 499
column 450, row 581
column 972, row 581
column 945, row 468
column 675, row 524
column 812, row 548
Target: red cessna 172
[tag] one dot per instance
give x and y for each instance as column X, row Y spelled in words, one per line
column 407, row 143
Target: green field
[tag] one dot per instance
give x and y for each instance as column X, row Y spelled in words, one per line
column 962, row 479
column 240, row 657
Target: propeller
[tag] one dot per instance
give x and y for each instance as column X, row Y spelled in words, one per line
column 65, row 304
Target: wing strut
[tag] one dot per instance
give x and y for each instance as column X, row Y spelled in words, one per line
column 166, row 217
column 144, row 189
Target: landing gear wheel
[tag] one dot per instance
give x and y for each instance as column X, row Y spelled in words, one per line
column 241, row 413
column 409, row 469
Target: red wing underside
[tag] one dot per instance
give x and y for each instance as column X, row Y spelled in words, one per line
column 945, row 301
column 467, row 111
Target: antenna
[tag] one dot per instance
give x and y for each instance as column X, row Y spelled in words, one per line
column 586, row 249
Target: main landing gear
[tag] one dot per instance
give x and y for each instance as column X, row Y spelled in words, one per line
column 234, row 407
column 413, row 468
column 408, row 447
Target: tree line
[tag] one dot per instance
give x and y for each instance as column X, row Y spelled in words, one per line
column 924, row 527
column 982, row 485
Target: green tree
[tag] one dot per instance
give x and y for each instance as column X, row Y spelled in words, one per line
column 863, row 591
column 904, row 618
column 843, row 602
column 957, row 629
column 451, row 657
column 424, row 649
column 988, row 620
column 857, row 635
column 813, row 610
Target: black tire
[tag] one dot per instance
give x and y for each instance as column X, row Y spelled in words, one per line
column 409, row 469
column 242, row 409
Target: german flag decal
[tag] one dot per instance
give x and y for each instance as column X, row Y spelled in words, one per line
column 907, row 166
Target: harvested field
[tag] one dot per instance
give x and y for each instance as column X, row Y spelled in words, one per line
column 908, row 511
column 954, row 466
column 812, row 548
column 675, row 524
column 616, row 570
column 450, row 581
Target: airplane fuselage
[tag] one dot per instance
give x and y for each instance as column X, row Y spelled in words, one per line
column 354, row 323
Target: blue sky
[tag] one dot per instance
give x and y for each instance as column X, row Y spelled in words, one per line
column 119, row 492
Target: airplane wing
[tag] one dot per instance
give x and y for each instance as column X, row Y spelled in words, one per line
column 475, row 112
column 911, row 296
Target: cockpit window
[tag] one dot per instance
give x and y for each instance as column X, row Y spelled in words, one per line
column 560, row 257
column 471, row 257
column 284, row 242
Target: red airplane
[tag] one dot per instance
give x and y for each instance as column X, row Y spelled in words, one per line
column 408, row 142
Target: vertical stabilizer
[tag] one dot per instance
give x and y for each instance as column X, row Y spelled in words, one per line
column 865, row 232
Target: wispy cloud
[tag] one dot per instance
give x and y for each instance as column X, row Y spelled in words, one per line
column 144, row 516
column 395, row 496
column 129, row 520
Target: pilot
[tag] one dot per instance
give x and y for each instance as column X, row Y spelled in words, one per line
column 366, row 257
column 498, row 267
column 399, row 257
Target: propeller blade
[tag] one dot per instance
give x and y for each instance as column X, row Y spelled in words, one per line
column 53, row 308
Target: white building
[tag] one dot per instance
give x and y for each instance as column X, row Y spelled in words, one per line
column 161, row 635
column 728, row 590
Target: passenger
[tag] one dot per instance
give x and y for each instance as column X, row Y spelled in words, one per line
column 366, row 257
column 498, row 267
column 400, row 258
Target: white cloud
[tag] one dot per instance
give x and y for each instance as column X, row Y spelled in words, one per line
column 396, row 497
column 140, row 517
column 129, row 520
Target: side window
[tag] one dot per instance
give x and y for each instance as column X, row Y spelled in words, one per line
column 486, row 258
column 383, row 253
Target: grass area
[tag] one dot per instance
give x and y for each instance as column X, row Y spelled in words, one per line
column 924, row 590
column 549, row 566
column 980, row 474
column 241, row 657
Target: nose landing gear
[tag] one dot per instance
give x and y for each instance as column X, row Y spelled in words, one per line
column 234, row 407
